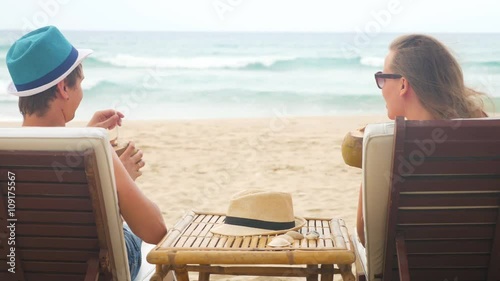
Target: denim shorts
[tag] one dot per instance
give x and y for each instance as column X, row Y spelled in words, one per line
column 133, row 244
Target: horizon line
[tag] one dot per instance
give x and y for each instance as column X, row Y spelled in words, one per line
column 271, row 31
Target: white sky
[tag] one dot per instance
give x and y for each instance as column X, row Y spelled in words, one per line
column 255, row 15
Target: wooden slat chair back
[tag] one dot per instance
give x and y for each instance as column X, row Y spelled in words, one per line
column 443, row 219
column 63, row 206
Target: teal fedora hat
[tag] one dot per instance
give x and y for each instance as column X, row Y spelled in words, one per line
column 41, row 59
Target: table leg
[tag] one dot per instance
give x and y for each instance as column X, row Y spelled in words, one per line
column 158, row 275
column 346, row 272
column 327, row 272
column 314, row 276
column 204, row 276
column 181, row 273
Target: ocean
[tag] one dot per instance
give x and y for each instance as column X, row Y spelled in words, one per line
column 179, row 75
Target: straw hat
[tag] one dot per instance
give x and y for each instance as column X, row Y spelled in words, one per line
column 41, row 59
column 259, row 212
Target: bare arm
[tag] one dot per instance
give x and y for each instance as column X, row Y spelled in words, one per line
column 141, row 214
column 360, row 222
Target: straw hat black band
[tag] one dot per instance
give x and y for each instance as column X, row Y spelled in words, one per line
column 259, row 224
column 259, row 212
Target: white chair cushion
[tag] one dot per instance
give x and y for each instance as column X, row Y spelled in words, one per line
column 377, row 160
column 147, row 270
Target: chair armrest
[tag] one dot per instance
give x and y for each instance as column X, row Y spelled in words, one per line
column 360, row 263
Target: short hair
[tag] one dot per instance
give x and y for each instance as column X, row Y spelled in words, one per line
column 39, row 103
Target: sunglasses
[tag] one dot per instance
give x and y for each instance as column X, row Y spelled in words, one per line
column 380, row 78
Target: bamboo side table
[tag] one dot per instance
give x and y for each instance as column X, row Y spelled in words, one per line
column 190, row 246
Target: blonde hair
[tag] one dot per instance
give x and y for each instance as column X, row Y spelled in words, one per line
column 436, row 77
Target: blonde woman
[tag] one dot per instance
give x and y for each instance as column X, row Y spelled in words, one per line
column 421, row 80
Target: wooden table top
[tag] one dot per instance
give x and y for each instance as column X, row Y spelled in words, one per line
column 192, row 242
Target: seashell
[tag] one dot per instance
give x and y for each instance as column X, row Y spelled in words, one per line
column 295, row 235
column 286, row 237
column 312, row 235
column 279, row 242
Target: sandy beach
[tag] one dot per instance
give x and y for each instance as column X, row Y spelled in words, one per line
column 200, row 164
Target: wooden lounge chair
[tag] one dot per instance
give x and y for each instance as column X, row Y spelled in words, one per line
column 431, row 201
column 64, row 207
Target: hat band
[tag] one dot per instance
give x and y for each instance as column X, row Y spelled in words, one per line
column 259, row 224
column 53, row 75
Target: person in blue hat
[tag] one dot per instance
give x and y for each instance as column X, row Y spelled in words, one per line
column 46, row 74
column 45, row 68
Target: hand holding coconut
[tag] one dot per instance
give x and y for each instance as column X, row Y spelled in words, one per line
column 352, row 148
